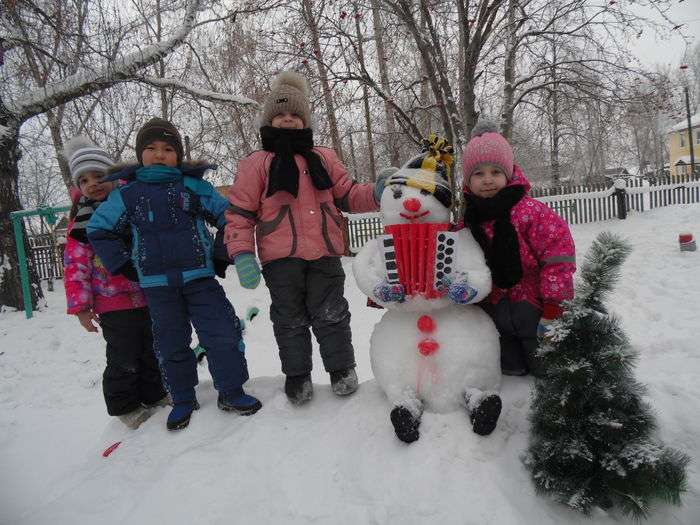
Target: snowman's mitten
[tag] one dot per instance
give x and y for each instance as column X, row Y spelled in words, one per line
column 389, row 292
column 461, row 293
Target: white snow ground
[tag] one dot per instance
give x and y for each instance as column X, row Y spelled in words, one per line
column 334, row 460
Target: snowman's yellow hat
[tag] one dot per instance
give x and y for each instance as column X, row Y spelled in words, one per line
column 430, row 171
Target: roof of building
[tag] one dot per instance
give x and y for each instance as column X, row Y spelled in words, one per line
column 684, row 159
column 694, row 122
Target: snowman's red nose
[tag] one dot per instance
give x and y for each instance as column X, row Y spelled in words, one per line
column 412, row 205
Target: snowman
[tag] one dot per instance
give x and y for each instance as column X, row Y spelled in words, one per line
column 433, row 349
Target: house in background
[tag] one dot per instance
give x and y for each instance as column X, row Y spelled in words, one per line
column 679, row 147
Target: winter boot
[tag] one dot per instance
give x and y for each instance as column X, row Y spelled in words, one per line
column 299, row 389
column 483, row 412
column 344, row 382
column 405, row 424
column 240, row 402
column 134, row 418
column 179, row 416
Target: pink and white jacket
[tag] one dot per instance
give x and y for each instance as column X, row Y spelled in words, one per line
column 547, row 251
column 90, row 287
column 306, row 227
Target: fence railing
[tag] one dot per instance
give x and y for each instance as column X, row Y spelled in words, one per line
column 577, row 204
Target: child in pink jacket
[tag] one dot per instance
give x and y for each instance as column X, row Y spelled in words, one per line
column 287, row 198
column 528, row 248
column 131, row 382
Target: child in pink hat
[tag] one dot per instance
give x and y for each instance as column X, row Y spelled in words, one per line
column 528, row 248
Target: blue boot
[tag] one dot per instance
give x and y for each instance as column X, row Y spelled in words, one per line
column 179, row 416
column 238, row 401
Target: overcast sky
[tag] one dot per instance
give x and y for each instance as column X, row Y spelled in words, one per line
column 669, row 48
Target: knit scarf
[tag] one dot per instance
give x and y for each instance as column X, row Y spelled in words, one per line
column 155, row 173
column 503, row 250
column 284, row 173
column 84, row 209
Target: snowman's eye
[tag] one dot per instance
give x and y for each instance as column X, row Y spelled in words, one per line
column 424, row 192
column 397, row 192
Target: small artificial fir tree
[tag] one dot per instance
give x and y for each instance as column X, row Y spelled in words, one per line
column 591, row 441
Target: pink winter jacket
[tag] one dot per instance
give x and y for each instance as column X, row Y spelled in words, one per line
column 547, row 251
column 308, row 226
column 90, row 287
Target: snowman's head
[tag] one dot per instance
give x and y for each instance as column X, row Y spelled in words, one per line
column 412, row 196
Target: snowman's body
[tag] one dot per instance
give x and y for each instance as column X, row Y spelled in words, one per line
column 461, row 357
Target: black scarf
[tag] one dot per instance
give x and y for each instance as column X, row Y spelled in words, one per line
column 84, row 209
column 284, row 174
column 503, row 251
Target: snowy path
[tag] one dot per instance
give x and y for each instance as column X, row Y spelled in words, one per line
column 335, row 460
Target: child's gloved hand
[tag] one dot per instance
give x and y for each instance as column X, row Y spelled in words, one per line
column 550, row 313
column 390, row 293
column 461, row 293
column 380, row 184
column 248, row 270
column 220, row 258
column 86, row 319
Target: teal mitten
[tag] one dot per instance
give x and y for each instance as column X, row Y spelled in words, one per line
column 248, row 270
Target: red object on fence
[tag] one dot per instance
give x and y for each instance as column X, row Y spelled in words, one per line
column 111, row 449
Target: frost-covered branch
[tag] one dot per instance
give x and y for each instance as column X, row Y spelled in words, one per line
column 199, row 93
column 83, row 83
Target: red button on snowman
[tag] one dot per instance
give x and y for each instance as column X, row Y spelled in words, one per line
column 433, row 349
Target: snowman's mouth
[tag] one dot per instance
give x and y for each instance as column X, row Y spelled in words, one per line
column 414, row 217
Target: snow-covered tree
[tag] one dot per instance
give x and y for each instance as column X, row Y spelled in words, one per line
column 592, row 440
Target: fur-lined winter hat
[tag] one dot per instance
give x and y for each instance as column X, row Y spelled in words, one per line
column 430, row 171
column 159, row 129
column 83, row 156
column 289, row 92
column 487, row 146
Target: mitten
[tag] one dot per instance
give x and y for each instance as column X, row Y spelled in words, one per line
column 550, row 312
column 248, row 270
column 461, row 293
column 389, row 293
column 380, row 184
column 128, row 271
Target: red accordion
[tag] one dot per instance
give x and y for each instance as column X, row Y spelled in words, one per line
column 419, row 256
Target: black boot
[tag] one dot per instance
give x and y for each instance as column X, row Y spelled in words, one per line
column 299, row 389
column 484, row 415
column 344, row 382
column 405, row 424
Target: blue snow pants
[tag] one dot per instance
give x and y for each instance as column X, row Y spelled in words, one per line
column 203, row 303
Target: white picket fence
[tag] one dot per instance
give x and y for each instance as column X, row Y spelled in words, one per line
column 576, row 204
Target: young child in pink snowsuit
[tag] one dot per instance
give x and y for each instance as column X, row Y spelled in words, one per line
column 528, row 248
column 131, row 381
column 287, row 197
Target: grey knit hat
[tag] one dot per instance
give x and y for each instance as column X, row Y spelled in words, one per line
column 83, row 156
column 290, row 92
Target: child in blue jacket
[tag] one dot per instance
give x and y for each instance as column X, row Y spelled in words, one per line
column 163, row 209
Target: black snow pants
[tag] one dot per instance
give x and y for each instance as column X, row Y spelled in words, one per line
column 132, row 376
column 309, row 293
column 517, row 327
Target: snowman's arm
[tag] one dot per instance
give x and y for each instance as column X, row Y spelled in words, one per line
column 472, row 263
column 368, row 267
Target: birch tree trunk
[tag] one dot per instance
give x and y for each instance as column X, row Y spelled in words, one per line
column 386, row 86
column 307, row 6
column 365, row 100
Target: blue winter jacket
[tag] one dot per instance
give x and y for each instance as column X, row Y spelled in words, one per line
column 156, row 221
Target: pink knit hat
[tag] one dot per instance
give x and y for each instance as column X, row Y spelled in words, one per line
column 487, row 146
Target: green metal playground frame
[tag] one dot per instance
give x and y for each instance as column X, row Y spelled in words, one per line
column 49, row 215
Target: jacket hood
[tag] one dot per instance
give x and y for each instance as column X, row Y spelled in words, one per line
column 127, row 171
column 518, row 179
